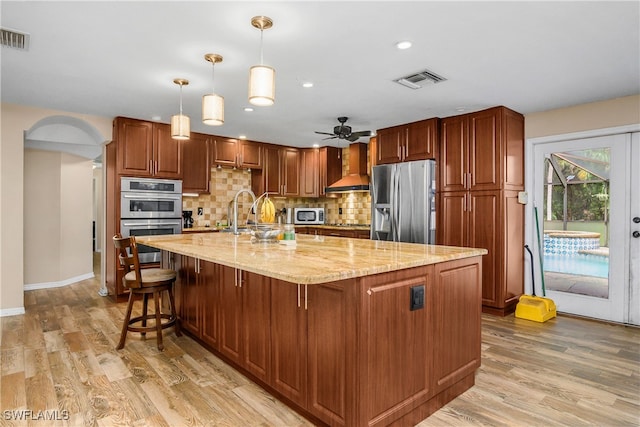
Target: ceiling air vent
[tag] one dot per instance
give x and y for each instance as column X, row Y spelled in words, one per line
column 14, row 39
column 417, row 80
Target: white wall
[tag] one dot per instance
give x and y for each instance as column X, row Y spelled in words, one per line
column 14, row 121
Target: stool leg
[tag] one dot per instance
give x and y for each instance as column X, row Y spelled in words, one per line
column 145, row 304
column 156, row 299
column 174, row 314
column 125, row 323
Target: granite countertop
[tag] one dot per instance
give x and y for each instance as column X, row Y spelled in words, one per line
column 338, row 226
column 199, row 229
column 314, row 259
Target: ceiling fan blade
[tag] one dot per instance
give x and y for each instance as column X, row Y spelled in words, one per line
column 331, row 137
column 323, row 133
column 357, row 135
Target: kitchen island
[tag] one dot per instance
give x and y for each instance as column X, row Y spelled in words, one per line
column 347, row 331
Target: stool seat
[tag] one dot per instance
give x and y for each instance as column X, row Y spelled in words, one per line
column 151, row 276
column 145, row 282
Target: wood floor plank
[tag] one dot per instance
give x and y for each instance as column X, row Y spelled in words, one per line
column 12, row 391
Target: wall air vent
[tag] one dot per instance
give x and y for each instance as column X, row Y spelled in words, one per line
column 417, row 80
column 14, row 39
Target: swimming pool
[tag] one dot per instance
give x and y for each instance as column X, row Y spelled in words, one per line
column 580, row 264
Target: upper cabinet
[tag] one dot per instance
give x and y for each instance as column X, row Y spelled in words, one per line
column 404, row 143
column 309, row 172
column 280, row 173
column 482, row 151
column 146, row 149
column 237, row 153
column 330, row 167
column 196, row 161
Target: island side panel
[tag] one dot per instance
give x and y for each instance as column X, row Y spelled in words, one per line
column 396, row 348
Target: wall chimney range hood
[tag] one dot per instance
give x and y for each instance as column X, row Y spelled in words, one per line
column 357, row 178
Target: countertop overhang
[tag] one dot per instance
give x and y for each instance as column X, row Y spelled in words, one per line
column 313, row 260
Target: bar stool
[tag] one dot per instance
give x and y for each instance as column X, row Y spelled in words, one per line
column 145, row 282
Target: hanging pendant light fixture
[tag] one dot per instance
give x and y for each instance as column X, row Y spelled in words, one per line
column 212, row 104
column 262, row 78
column 180, row 126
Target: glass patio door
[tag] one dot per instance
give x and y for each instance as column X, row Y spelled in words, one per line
column 582, row 195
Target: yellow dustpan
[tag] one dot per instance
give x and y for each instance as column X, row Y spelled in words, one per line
column 535, row 308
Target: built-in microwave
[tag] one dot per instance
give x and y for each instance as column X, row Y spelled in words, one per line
column 150, row 198
column 308, row 215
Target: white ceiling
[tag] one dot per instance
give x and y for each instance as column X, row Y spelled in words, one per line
column 120, row 58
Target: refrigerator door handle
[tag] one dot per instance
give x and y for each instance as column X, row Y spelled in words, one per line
column 398, row 204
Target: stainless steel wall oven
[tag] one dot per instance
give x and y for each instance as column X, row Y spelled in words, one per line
column 150, row 207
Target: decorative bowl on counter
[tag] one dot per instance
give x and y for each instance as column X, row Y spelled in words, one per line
column 266, row 232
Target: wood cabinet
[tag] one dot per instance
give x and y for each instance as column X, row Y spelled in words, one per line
column 482, row 151
column 231, row 152
column 245, row 319
column 330, row 167
column 197, row 282
column 280, row 174
column 196, row 164
column 350, row 352
column 413, row 141
column 309, row 172
column 481, row 172
column 146, row 149
column 355, row 234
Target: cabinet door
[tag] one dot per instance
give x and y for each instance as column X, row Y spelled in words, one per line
column 421, row 140
column 453, row 154
column 452, row 223
column 309, row 173
column 167, row 152
column 196, row 164
column 389, row 144
column 191, row 299
column 290, row 171
column 256, row 323
column 230, row 313
column 135, row 147
column 327, row 351
column 210, row 303
column 225, row 152
column 485, row 231
column 455, row 327
column 330, row 165
column 271, row 171
column 485, row 150
column 289, row 341
column 250, row 155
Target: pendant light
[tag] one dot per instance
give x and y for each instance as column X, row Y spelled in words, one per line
column 212, row 104
column 180, row 123
column 262, row 78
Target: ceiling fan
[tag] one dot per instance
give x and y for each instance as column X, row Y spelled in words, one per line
column 343, row 131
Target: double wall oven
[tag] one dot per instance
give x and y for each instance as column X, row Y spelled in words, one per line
column 150, row 207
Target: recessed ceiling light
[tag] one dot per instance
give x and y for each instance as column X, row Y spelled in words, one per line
column 307, row 84
column 316, row 145
column 405, row 44
column 248, row 109
column 242, row 137
column 461, row 109
column 156, row 118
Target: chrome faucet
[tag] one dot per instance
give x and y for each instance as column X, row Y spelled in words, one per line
column 235, row 208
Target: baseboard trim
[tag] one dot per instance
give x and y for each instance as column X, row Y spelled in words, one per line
column 65, row 282
column 4, row 312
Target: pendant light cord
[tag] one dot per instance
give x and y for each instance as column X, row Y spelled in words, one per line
column 180, row 98
column 261, row 33
column 213, row 77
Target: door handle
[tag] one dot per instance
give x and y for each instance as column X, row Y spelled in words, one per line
column 636, row 234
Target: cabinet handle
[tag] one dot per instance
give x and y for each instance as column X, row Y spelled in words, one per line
column 298, row 295
column 305, row 297
column 155, row 170
column 400, row 151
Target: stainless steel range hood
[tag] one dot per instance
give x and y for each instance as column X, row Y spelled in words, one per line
column 357, row 178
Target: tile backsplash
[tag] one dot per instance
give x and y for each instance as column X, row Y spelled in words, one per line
column 225, row 183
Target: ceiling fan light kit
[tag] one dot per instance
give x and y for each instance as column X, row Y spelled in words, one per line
column 262, row 78
column 180, row 124
column 213, row 104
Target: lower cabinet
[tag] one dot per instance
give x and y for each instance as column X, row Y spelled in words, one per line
column 361, row 351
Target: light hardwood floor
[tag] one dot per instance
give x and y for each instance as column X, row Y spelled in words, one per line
column 61, row 355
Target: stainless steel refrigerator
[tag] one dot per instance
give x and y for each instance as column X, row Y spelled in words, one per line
column 403, row 207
